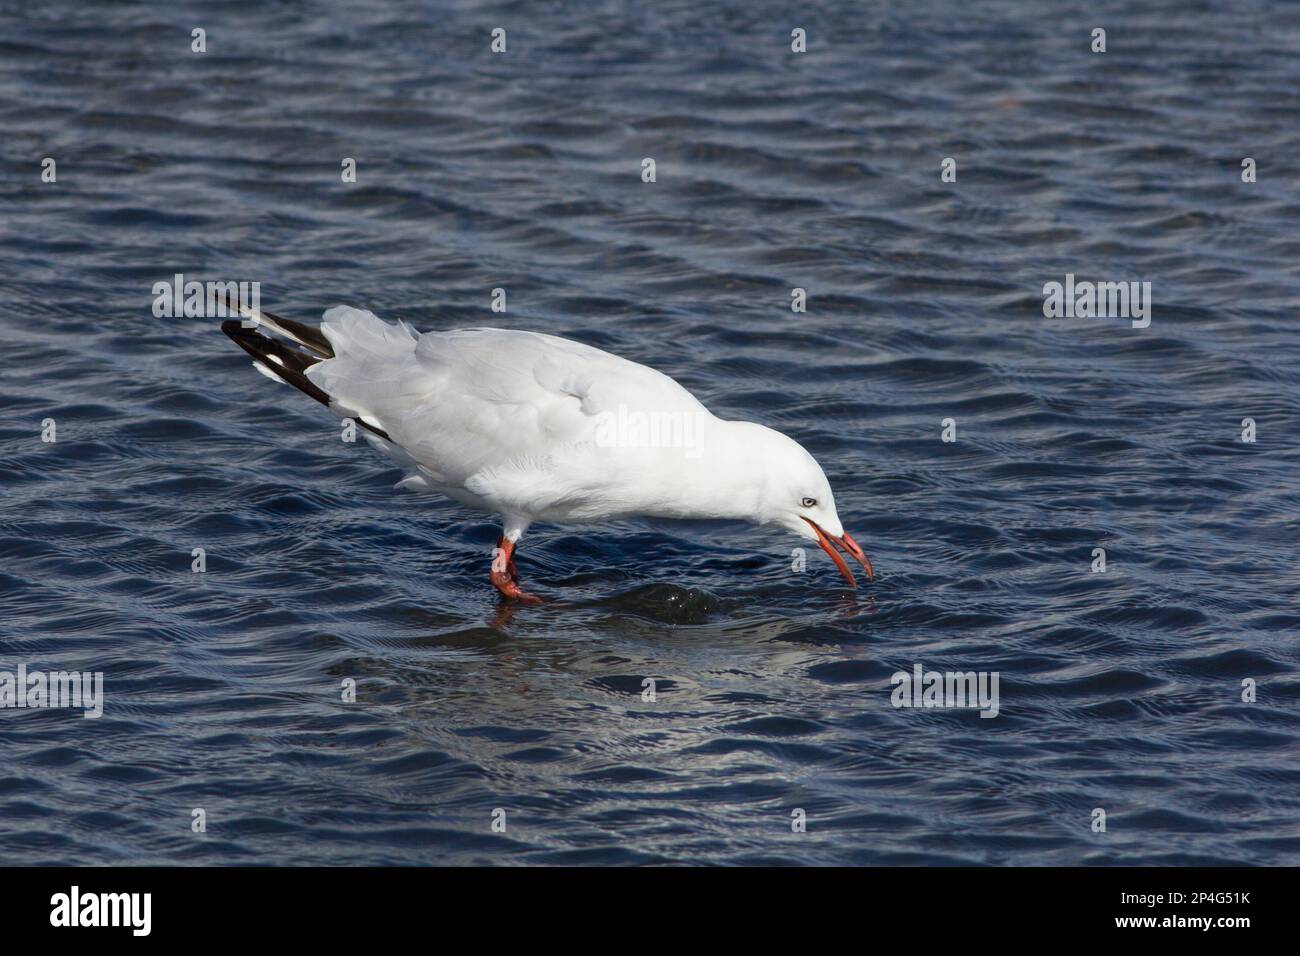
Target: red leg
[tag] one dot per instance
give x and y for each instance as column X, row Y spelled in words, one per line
column 505, row 577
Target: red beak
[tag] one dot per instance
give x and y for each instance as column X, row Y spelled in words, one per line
column 850, row 547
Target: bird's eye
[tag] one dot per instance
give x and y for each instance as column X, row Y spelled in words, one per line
column 809, row 502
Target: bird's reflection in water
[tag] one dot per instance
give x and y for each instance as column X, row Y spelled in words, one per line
column 673, row 605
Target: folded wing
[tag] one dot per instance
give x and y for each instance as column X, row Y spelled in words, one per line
column 484, row 409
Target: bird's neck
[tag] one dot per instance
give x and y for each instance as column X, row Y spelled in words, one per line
column 718, row 474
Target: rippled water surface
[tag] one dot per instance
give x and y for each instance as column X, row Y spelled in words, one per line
column 1119, row 690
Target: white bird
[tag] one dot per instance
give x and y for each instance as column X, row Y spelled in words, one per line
column 534, row 427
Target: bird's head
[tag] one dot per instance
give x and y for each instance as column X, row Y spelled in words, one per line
column 796, row 496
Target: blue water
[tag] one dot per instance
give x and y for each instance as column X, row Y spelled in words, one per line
column 1118, row 690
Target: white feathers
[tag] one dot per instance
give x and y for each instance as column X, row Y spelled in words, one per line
column 268, row 373
column 359, row 331
column 413, row 483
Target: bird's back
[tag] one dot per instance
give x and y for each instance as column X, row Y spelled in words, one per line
column 486, row 408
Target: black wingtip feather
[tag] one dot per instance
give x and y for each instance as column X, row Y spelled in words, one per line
column 291, row 366
column 313, row 339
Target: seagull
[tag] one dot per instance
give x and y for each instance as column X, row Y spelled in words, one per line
column 534, row 427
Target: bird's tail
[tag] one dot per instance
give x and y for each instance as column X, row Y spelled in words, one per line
column 279, row 361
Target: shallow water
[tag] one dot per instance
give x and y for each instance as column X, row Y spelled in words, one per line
column 1118, row 690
